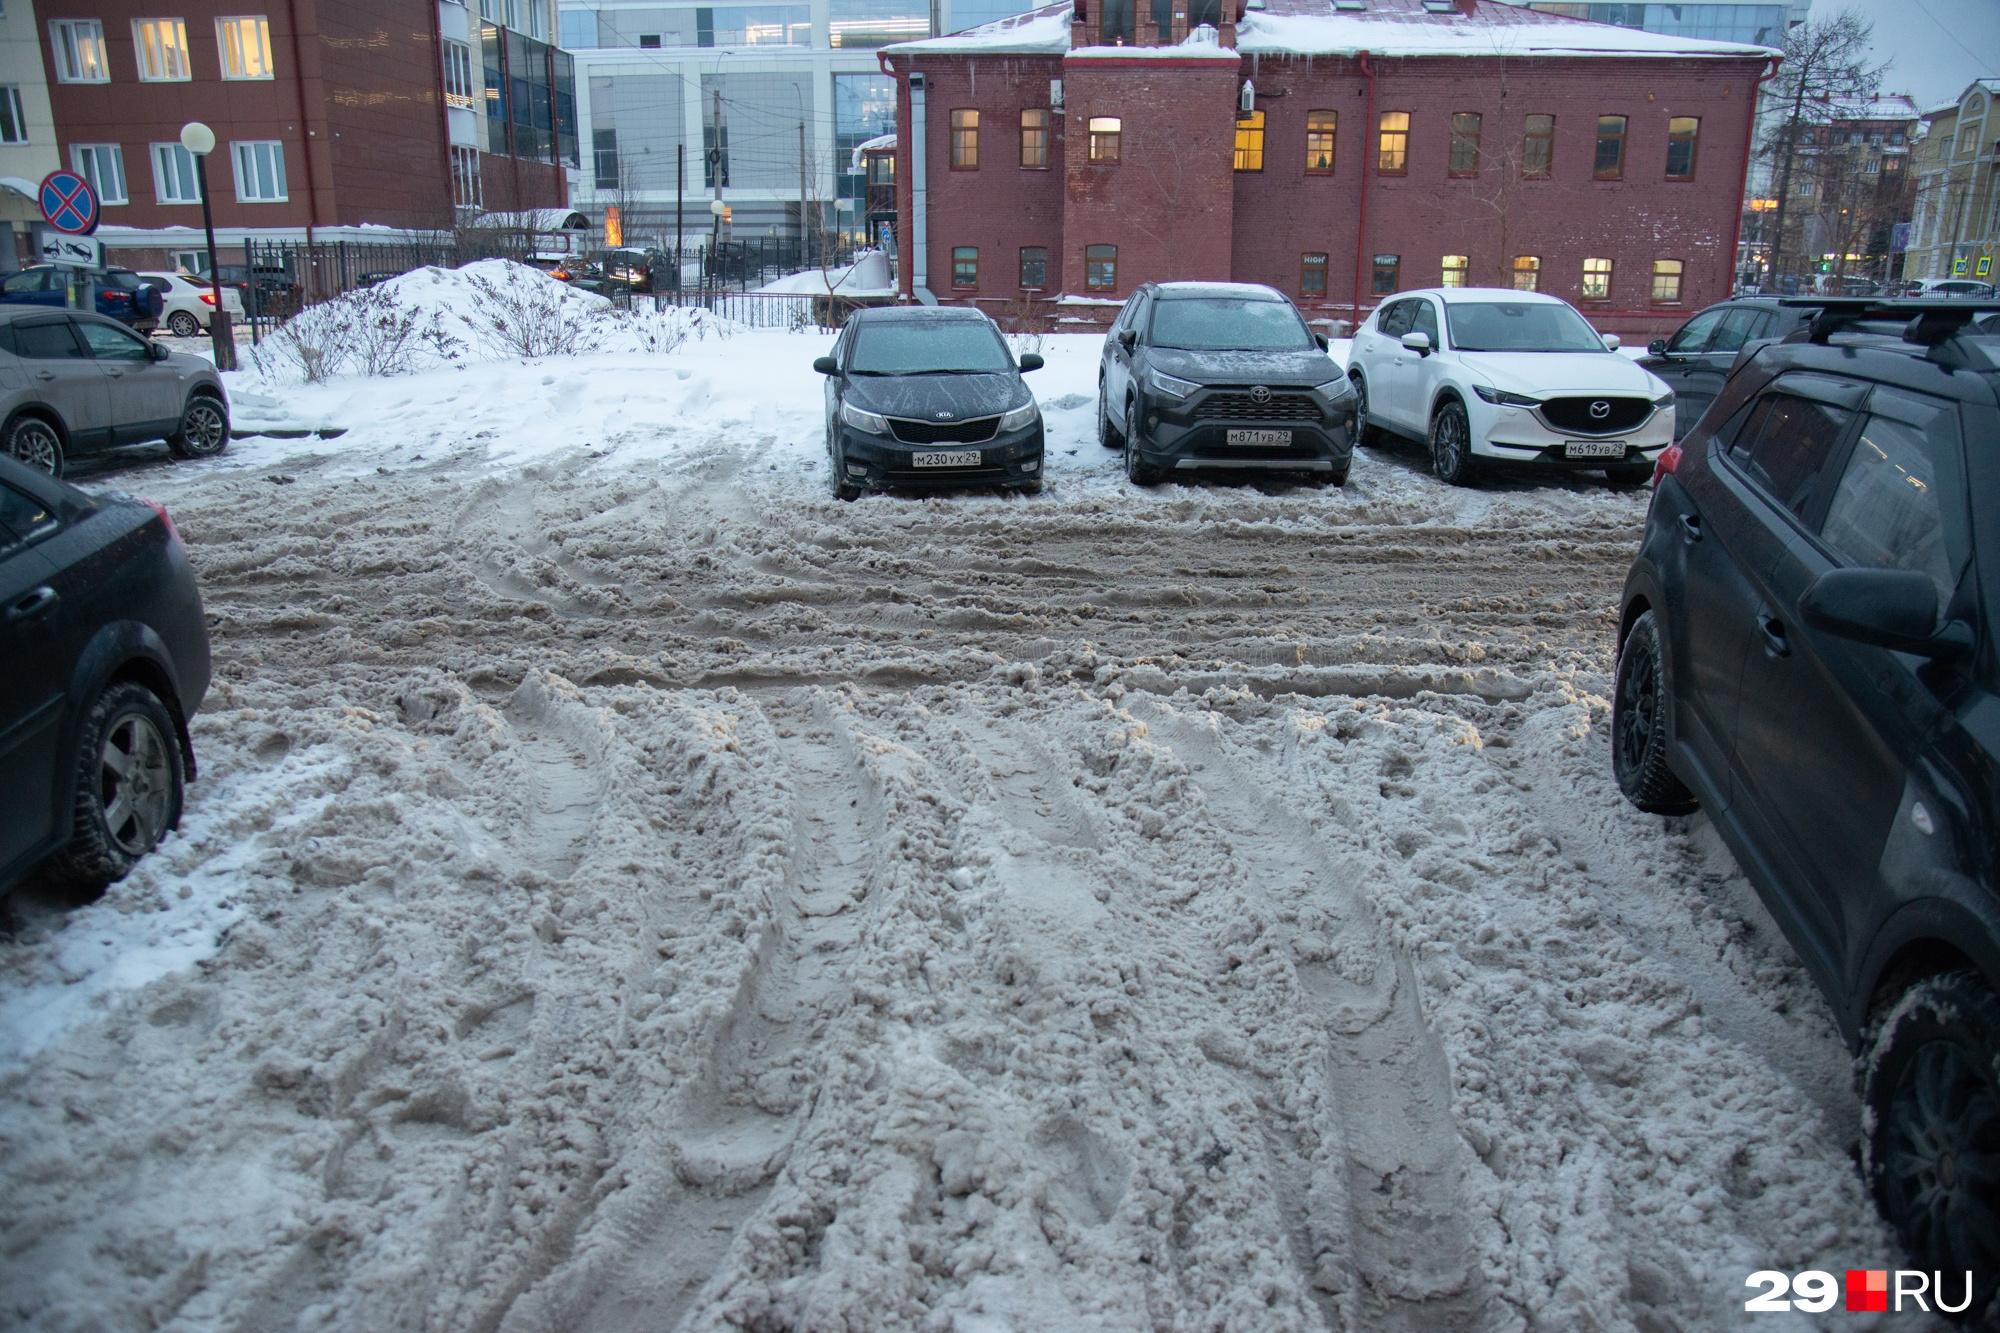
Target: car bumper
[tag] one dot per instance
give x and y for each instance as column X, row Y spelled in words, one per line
column 1175, row 438
column 879, row 462
column 1519, row 435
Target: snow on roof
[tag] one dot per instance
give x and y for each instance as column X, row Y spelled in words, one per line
column 875, row 144
column 536, row 219
column 1043, row 31
column 1201, row 44
column 1889, row 106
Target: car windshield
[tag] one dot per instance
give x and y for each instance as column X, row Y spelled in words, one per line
column 1519, row 326
column 929, row 347
column 1228, row 323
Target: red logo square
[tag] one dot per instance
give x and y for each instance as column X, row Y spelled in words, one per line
column 1868, row 1289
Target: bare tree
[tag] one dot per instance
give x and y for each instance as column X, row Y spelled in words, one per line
column 1827, row 61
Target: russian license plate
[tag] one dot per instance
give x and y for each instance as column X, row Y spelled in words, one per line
column 1261, row 439
column 1593, row 449
column 946, row 458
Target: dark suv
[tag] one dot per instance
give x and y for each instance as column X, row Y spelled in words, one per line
column 1695, row 362
column 1221, row 376
column 1807, row 651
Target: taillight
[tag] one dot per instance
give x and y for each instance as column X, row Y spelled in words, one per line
column 208, row 298
column 1670, row 458
column 166, row 518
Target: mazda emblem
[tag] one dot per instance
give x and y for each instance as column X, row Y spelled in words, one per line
column 1260, row 394
column 1600, row 410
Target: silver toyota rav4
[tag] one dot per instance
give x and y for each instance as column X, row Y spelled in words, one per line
column 73, row 383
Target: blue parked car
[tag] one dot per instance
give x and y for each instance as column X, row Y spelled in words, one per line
column 120, row 294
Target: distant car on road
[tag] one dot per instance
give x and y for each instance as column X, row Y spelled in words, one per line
column 928, row 396
column 1808, row 652
column 105, row 653
column 1949, row 287
column 1221, row 376
column 73, row 383
column 188, row 301
column 120, row 294
column 1695, row 361
column 1490, row 377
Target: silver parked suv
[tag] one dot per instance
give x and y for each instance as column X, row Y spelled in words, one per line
column 74, row 383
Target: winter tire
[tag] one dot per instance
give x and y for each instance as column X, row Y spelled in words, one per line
column 184, row 324
column 1338, row 477
column 836, row 473
column 1932, row 1147
column 34, row 443
column 1365, row 432
column 1639, row 724
column 204, row 429
column 128, row 787
column 1451, row 444
column 1107, row 435
column 1627, row 475
column 1137, row 470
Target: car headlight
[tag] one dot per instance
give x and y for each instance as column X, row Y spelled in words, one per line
column 1019, row 417
column 871, row 422
column 1665, row 400
column 1334, row 388
column 1505, row 399
column 1172, row 387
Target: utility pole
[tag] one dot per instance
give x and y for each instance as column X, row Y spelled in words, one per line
column 803, row 232
column 680, row 196
column 718, row 157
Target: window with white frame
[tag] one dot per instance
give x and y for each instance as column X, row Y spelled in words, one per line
column 173, row 175
column 260, row 171
column 103, row 165
column 457, row 74
column 78, row 45
column 13, row 121
column 162, row 45
column 246, row 47
column 465, row 176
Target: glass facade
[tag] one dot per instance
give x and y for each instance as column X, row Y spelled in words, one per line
column 866, row 24
column 530, row 97
column 1761, row 25
column 864, row 108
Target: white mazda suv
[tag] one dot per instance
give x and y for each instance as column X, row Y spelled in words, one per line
column 1488, row 377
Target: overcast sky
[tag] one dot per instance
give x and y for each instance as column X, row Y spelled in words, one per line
column 1938, row 46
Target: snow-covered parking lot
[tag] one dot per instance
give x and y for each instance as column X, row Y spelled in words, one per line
column 628, row 889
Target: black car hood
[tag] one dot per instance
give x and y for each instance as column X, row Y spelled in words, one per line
column 937, row 397
column 1301, row 367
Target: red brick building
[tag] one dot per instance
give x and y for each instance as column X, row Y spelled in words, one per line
column 1338, row 150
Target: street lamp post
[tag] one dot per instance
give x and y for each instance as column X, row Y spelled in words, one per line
column 199, row 140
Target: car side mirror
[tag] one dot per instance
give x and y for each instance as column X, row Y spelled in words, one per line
column 1657, row 347
column 826, row 365
column 1889, row 608
column 1320, row 338
column 1420, row 343
column 157, row 352
column 1128, row 336
column 1613, row 341
column 1030, row 361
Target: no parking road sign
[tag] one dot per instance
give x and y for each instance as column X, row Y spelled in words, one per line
column 69, row 203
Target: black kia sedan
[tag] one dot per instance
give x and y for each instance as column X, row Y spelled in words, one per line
column 103, row 655
column 1808, row 653
column 1221, row 376
column 928, row 396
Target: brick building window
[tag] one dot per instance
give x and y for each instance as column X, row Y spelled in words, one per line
column 1393, row 157
column 246, row 47
column 1034, row 267
column 1682, row 131
column 1465, row 143
column 1035, row 139
column 1100, row 267
column 1388, row 274
column 1527, row 273
column 1597, row 280
column 13, row 119
column 965, row 266
column 1105, row 132
column 1609, row 164
column 964, row 140
column 1667, row 279
column 1119, row 26
column 1320, row 128
column 103, row 165
column 465, row 190
column 78, row 47
column 260, row 171
column 1538, row 149
column 162, row 46
column 1312, row 275
column 173, row 175
column 1455, row 269
column 1250, row 142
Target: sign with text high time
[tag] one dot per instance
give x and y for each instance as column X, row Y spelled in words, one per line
column 69, row 203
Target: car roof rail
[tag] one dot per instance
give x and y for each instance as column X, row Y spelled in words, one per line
column 1929, row 322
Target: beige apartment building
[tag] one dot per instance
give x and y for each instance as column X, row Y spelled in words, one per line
column 27, row 129
column 1957, row 223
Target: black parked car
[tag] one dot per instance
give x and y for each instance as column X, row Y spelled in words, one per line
column 1808, row 652
column 1696, row 360
column 104, row 652
column 927, row 395
column 1221, row 375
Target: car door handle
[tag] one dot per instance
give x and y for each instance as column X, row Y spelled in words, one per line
column 1691, row 527
column 114, row 374
column 1773, row 630
column 45, row 374
column 34, row 604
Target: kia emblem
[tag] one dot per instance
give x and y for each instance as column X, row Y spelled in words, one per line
column 944, row 416
column 1260, row 394
column 1600, row 410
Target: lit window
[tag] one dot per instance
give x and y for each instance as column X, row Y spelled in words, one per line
column 1250, row 142
column 13, row 121
column 1682, row 132
column 1034, row 267
column 260, row 171
column 1312, row 275
column 964, row 140
column 1527, row 273
column 173, row 175
column 1320, row 128
column 1388, row 273
column 1035, row 138
column 1394, row 157
column 103, row 165
column 1609, row 164
column 1666, row 279
column 1596, row 279
column 1538, row 151
column 1465, row 143
column 1455, row 269
column 1100, row 267
column 965, row 266
column 246, row 47
column 162, row 45
column 78, row 45
column 457, row 74
column 1105, row 132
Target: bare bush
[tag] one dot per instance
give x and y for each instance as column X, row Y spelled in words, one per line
column 363, row 332
column 660, row 330
column 526, row 313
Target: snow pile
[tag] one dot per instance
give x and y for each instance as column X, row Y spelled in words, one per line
column 868, row 275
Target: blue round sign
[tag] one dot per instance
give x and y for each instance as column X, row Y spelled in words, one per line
column 69, row 203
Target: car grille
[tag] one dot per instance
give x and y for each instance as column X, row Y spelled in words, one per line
column 1575, row 416
column 944, row 432
column 1238, row 406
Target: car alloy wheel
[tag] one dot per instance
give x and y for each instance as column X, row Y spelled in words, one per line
column 128, row 786
column 1451, row 444
column 204, row 429
column 1365, row 431
column 1638, row 724
column 34, row 443
column 184, row 324
column 135, row 783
